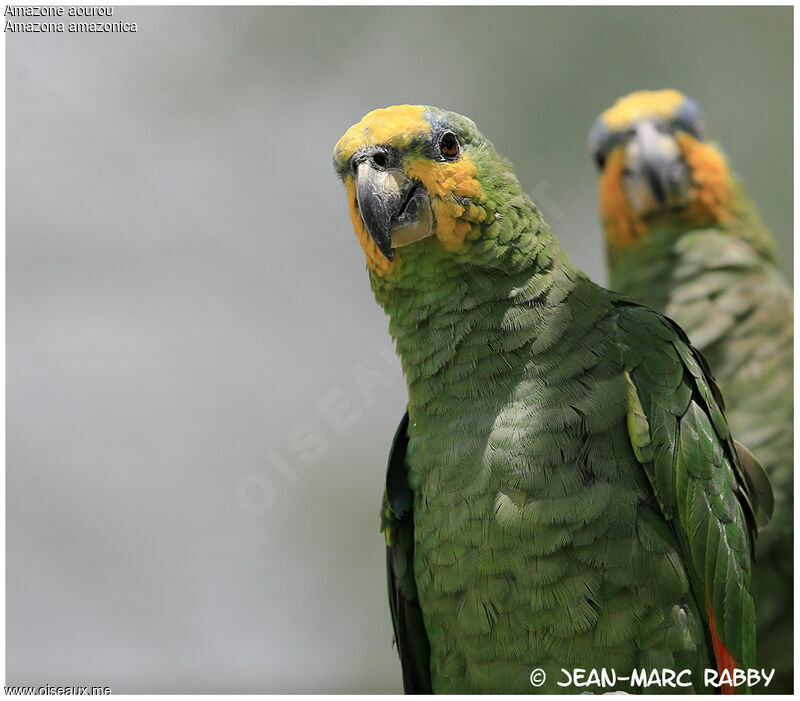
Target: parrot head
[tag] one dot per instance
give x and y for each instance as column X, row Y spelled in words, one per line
column 654, row 162
column 418, row 178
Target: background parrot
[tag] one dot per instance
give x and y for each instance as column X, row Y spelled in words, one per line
column 563, row 491
column 684, row 238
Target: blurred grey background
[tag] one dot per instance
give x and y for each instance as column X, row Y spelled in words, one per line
column 187, row 303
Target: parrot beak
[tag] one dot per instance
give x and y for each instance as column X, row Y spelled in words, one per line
column 395, row 210
column 656, row 177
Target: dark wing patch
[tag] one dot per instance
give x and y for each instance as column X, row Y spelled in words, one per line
column 397, row 523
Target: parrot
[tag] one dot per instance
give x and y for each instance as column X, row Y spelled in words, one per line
column 563, row 496
column 683, row 237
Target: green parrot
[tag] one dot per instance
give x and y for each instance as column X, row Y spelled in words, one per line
column 683, row 237
column 563, row 493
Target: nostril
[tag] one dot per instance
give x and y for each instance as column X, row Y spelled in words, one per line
column 379, row 159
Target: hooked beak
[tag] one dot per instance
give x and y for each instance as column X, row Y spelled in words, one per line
column 395, row 210
column 656, row 176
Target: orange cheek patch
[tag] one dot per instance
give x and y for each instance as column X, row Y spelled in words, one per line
column 451, row 230
column 455, row 222
column 624, row 227
column 444, row 179
column 375, row 259
column 712, row 192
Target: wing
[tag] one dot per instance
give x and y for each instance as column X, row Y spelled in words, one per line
column 680, row 436
column 397, row 523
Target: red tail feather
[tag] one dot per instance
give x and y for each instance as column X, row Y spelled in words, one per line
column 724, row 658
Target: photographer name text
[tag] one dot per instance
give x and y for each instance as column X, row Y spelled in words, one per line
column 665, row 678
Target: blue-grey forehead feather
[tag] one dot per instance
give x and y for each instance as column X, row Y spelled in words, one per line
column 598, row 137
column 442, row 120
column 688, row 110
column 689, row 115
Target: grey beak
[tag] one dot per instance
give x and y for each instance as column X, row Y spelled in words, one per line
column 657, row 177
column 658, row 160
column 382, row 195
column 654, row 163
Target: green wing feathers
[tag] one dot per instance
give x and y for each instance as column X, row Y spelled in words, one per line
column 680, row 436
column 736, row 308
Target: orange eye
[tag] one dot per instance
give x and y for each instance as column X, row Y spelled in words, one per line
column 448, row 145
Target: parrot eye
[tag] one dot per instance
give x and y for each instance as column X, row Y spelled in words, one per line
column 448, row 145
